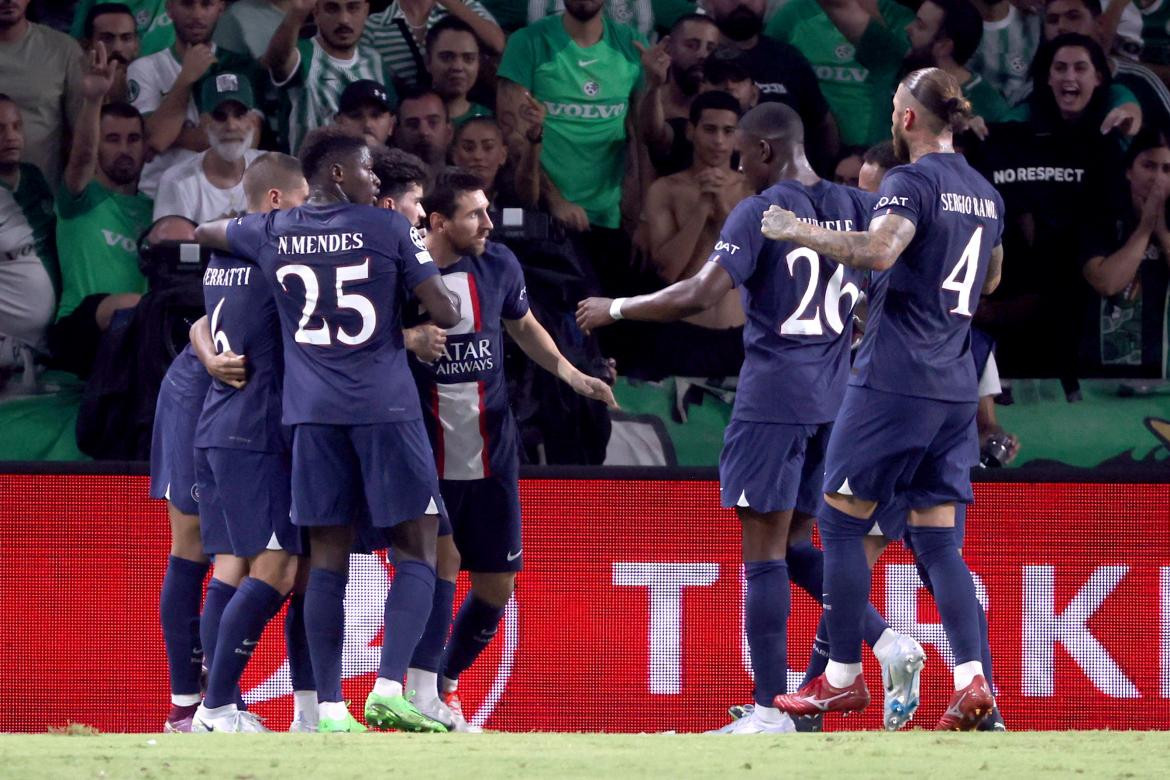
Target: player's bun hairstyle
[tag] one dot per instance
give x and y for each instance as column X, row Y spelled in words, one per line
column 324, row 147
column 397, row 171
column 450, row 184
column 1043, row 101
column 449, row 22
column 939, row 93
column 882, row 155
column 714, row 100
column 270, row 171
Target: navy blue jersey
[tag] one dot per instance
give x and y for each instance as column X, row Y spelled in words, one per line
column 340, row 273
column 918, row 336
column 186, row 381
column 464, row 394
column 243, row 319
column 798, row 305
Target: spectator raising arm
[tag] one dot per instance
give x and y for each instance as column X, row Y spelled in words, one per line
column 95, row 83
column 488, row 32
column 653, row 128
column 282, row 57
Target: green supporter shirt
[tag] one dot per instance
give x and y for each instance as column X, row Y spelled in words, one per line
column 586, row 92
column 856, row 94
column 97, row 242
column 156, row 31
column 475, row 110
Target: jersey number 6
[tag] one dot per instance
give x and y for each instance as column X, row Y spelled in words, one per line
column 320, row 336
column 806, row 320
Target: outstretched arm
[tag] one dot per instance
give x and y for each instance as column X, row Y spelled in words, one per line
column 531, row 336
column 876, row 249
column 681, row 299
column 214, row 235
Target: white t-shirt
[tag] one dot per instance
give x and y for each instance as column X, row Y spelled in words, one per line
column 185, row 190
column 149, row 79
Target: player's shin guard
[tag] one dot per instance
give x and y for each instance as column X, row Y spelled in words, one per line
column 179, row 614
column 954, row 591
column 428, row 654
column 219, row 595
column 766, row 606
column 408, row 605
column 239, row 632
column 847, row 581
column 300, row 665
column 325, row 630
column 475, row 628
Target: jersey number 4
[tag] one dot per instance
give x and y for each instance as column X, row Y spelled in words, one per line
column 962, row 277
column 321, row 335
column 806, row 320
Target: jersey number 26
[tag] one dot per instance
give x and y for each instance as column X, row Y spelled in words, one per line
column 806, row 320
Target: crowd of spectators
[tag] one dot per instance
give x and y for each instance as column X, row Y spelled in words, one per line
column 604, row 133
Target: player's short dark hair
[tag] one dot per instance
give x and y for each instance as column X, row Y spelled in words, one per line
column 713, row 100
column 326, row 146
column 451, row 183
column 962, row 24
column 881, row 155
column 679, row 22
column 418, row 93
column 1093, row 6
column 101, row 9
column 270, row 171
column 453, row 24
column 398, row 171
column 773, row 121
column 122, row 110
column 1149, row 137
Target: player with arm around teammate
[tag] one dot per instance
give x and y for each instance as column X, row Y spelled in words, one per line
column 796, row 341
column 465, row 401
column 243, row 466
column 906, row 428
column 339, row 268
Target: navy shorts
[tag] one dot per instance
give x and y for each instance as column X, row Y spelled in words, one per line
column 381, row 474
column 891, row 518
column 885, row 445
column 172, row 453
column 485, row 520
column 771, row 467
column 245, row 502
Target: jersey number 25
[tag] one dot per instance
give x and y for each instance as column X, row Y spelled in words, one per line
column 320, row 335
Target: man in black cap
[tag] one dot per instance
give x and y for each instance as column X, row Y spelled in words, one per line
column 364, row 111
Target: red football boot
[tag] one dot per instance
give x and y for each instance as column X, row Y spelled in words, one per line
column 968, row 708
column 818, row 697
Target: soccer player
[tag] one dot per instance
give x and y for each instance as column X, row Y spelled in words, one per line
column 796, row 341
column 361, row 459
column 242, row 465
column 474, row 437
column 906, row 427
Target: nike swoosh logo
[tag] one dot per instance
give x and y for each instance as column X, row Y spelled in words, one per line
column 515, row 555
column 585, row 63
column 251, row 643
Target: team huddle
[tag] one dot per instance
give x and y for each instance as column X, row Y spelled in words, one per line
column 297, row 429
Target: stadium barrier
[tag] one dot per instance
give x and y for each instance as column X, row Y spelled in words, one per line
column 629, row 612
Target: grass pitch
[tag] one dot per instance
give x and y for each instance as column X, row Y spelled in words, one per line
column 479, row 757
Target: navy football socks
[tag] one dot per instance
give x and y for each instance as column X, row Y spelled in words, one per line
column 408, row 606
column 250, row 609
column 428, row 654
column 300, row 665
column 766, row 606
column 984, row 642
column 219, row 594
column 325, row 630
column 847, row 581
column 182, row 590
column 954, row 591
column 475, row 628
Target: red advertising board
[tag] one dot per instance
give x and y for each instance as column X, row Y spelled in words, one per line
column 628, row 616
